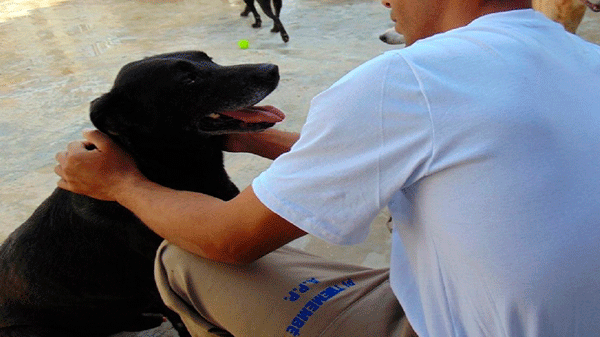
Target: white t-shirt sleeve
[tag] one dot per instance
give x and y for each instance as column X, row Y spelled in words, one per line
column 364, row 138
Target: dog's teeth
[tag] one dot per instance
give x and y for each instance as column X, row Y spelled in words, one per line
column 214, row 116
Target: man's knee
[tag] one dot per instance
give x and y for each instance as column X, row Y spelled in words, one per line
column 169, row 255
column 179, row 277
column 175, row 268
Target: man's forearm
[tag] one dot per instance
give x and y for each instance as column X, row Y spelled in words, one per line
column 269, row 144
column 237, row 231
column 161, row 208
column 171, row 214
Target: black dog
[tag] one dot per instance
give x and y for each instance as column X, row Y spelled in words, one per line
column 265, row 5
column 83, row 267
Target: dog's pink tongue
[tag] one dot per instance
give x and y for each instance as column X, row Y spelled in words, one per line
column 257, row 114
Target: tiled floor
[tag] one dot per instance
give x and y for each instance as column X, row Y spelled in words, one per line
column 58, row 55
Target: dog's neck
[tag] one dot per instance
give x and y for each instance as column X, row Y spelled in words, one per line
column 197, row 167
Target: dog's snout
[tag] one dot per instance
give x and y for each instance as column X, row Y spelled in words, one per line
column 268, row 70
column 258, row 72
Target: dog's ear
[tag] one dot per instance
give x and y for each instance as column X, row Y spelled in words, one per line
column 102, row 112
column 113, row 113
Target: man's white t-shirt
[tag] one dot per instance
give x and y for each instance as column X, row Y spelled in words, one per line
column 484, row 142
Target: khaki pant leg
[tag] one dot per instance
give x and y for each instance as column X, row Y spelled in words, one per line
column 285, row 293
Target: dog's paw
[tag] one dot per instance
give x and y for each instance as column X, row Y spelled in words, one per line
column 390, row 36
column 246, row 11
column 257, row 24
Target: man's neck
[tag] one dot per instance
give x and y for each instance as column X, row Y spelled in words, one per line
column 458, row 13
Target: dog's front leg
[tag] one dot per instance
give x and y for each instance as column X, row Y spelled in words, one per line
column 246, row 11
column 265, row 5
column 251, row 9
column 277, row 26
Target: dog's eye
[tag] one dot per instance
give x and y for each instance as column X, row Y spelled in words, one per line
column 191, row 79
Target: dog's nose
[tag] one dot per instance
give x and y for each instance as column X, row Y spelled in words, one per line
column 268, row 70
column 258, row 72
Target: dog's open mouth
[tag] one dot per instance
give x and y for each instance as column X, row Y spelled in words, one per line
column 254, row 114
column 252, row 118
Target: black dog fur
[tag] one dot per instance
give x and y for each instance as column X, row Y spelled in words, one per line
column 83, row 267
column 265, row 5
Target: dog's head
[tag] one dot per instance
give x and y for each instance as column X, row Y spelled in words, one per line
column 186, row 92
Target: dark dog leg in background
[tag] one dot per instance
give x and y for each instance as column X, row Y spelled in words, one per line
column 265, row 5
column 251, row 9
column 277, row 6
column 278, row 25
column 246, row 11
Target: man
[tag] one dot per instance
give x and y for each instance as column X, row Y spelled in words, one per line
column 482, row 137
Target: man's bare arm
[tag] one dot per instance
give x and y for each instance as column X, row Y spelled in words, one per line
column 236, row 231
column 269, row 144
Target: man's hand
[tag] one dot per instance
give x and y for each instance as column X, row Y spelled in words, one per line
column 96, row 167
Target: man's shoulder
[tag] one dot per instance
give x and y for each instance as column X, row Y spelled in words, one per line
column 503, row 37
column 506, row 28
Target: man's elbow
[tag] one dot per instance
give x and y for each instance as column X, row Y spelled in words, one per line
column 232, row 253
column 246, row 244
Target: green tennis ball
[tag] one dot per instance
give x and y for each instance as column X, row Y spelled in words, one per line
column 243, row 44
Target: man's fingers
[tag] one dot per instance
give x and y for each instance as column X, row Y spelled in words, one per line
column 95, row 139
column 89, row 145
column 58, row 170
column 73, row 149
column 63, row 184
column 60, row 157
column 76, row 147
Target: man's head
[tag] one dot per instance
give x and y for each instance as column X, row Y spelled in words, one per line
column 417, row 19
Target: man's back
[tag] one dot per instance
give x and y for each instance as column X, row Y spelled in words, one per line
column 502, row 224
